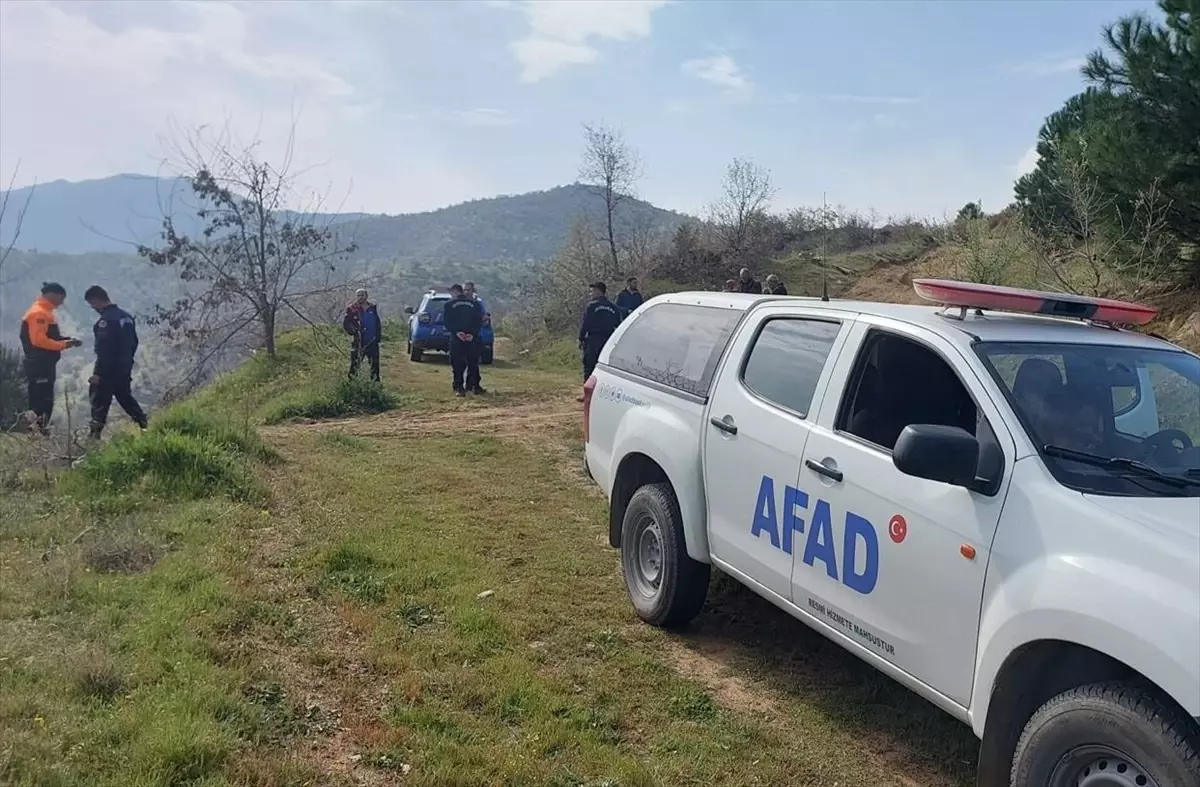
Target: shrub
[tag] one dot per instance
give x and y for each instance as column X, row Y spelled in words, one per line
column 350, row 396
column 192, row 421
column 165, row 464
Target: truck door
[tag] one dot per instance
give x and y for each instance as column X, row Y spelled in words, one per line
column 893, row 563
column 758, row 421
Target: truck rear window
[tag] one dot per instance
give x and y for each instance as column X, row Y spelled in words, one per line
column 676, row 344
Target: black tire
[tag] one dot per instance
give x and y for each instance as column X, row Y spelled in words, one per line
column 1112, row 729
column 485, row 356
column 415, row 353
column 682, row 583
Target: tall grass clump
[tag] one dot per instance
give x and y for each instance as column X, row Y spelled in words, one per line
column 186, row 454
column 349, row 396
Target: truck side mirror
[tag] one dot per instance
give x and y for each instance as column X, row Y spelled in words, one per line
column 939, row 453
column 408, row 310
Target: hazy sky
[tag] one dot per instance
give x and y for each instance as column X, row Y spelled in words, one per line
column 901, row 107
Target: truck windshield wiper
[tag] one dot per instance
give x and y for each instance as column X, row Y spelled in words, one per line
column 1122, row 463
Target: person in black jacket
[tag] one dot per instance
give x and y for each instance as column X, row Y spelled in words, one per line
column 600, row 319
column 463, row 317
column 774, row 286
column 747, row 282
column 112, row 376
column 629, row 298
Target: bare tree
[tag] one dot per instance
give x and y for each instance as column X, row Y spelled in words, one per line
column 741, row 211
column 18, row 221
column 1096, row 248
column 258, row 256
column 612, row 168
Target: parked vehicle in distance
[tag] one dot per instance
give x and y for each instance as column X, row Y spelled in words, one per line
column 427, row 333
column 994, row 499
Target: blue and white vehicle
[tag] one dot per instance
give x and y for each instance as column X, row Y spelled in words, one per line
column 426, row 332
column 994, row 499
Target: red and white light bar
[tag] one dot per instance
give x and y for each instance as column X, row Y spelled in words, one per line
column 968, row 295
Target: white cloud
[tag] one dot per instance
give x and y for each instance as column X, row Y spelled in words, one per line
column 1046, row 66
column 719, row 70
column 483, row 116
column 1028, row 162
column 130, row 78
column 851, row 98
column 564, row 33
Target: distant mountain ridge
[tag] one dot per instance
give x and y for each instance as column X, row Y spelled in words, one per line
column 114, row 214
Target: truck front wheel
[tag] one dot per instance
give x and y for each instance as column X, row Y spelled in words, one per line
column 1106, row 735
column 666, row 586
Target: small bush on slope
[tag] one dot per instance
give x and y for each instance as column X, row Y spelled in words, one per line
column 186, row 454
column 350, row 396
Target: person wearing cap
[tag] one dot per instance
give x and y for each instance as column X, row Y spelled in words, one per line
column 112, row 376
column 365, row 328
column 43, row 344
column 600, row 318
column 463, row 317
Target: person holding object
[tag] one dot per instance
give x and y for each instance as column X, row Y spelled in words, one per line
column 43, row 345
column 600, row 319
column 463, row 317
column 112, row 376
column 629, row 298
column 366, row 329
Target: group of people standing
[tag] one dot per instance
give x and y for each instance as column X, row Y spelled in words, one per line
column 116, row 343
column 463, row 317
column 745, row 282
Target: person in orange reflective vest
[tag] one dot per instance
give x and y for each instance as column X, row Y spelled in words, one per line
column 43, row 345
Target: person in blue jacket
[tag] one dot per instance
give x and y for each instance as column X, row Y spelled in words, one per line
column 112, row 376
column 629, row 298
column 365, row 328
column 600, row 319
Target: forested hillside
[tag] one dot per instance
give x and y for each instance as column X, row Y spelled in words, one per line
column 116, row 214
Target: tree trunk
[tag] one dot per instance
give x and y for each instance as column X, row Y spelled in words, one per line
column 268, row 323
column 612, row 236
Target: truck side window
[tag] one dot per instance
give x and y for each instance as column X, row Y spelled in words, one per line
column 676, row 344
column 897, row 382
column 786, row 360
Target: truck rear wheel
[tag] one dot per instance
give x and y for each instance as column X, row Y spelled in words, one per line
column 1106, row 735
column 666, row 586
column 486, row 355
column 415, row 353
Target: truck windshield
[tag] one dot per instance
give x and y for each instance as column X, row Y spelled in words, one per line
column 1107, row 420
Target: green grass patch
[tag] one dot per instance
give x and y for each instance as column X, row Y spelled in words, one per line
column 348, row 396
column 186, row 454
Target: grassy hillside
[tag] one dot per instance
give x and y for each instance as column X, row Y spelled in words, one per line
column 420, row 596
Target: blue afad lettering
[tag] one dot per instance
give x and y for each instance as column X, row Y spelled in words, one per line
column 859, row 534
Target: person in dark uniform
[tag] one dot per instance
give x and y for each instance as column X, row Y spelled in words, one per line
column 600, row 319
column 629, row 298
column 365, row 328
column 774, row 286
column 43, row 345
column 112, row 376
column 747, row 282
column 463, row 317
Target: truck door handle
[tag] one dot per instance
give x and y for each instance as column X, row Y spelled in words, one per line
column 724, row 426
column 821, row 469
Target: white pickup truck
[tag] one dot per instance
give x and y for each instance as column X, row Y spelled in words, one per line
column 996, row 504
